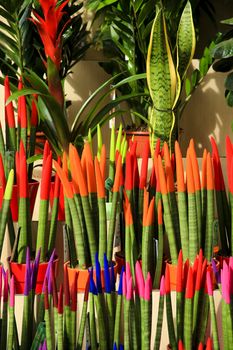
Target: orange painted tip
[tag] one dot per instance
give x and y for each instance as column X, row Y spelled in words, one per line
column 170, row 179
column 180, row 345
column 189, row 285
column 157, row 148
column 209, row 344
column 9, row 109
column 128, row 172
column 160, row 212
column 151, row 213
column 145, row 206
column 88, row 153
column 2, row 174
column 117, row 179
column 99, row 180
column 77, row 171
column 179, row 276
column 167, row 280
column 189, row 175
column 200, row 346
column 153, row 178
column 204, row 170
column 46, row 178
column 162, row 178
column 103, row 161
column 83, row 161
column 179, row 169
column 195, row 167
column 144, row 165
column 128, row 216
column 209, row 173
column 91, row 179
column 64, row 180
column 65, row 163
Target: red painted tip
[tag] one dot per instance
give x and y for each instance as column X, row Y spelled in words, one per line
column 77, row 171
column 160, row 212
column 66, row 286
column 57, row 183
column 200, row 346
column 229, row 155
column 209, row 344
column 144, row 166
column 180, row 345
column 179, row 277
column 157, row 148
column 185, row 273
column 34, row 114
column 162, row 178
column 65, row 163
column 46, row 298
column 60, row 300
column 74, row 294
column 204, row 170
column 179, row 169
column 210, row 175
column 9, row 109
column 46, row 178
column 23, row 178
column 189, row 285
column 46, row 150
column 167, row 280
column 99, row 180
column 128, row 172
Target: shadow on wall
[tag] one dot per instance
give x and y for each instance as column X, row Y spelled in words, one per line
column 207, row 114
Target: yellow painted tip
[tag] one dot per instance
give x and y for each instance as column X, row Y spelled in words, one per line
column 9, row 185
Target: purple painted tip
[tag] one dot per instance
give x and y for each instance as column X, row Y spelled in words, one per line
column 216, row 271
column 98, row 274
column 129, row 293
column 162, row 286
column 12, row 292
column 114, row 346
column 27, row 284
column 112, row 278
column 209, row 283
column 50, row 281
column 120, row 287
column 139, row 280
column 121, row 347
column 106, row 276
column 47, row 274
column 148, row 287
column 35, row 269
column 92, row 286
column 1, row 275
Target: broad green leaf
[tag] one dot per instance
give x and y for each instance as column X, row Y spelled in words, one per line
column 223, row 49
column 36, row 82
column 186, row 41
column 161, row 73
column 195, row 76
column 203, row 66
column 22, row 92
column 188, row 87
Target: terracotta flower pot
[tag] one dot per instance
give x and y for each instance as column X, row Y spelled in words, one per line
column 33, row 187
column 140, row 137
column 82, row 277
column 18, row 270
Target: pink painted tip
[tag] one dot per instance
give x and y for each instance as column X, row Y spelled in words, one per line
column 124, row 284
column 167, row 280
column 139, row 279
column 12, row 292
column 127, row 271
column 148, row 287
column 129, row 294
column 209, row 283
column 225, row 283
column 162, row 286
column 231, row 274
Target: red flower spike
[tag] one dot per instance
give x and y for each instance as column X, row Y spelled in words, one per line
column 99, row 180
column 2, row 174
column 144, row 166
column 60, row 300
column 189, row 285
column 179, row 276
column 103, row 161
column 23, row 178
column 66, row 287
column 128, row 172
column 22, row 107
column 46, row 297
column 209, row 344
column 210, row 175
column 162, row 178
column 34, row 114
column 180, row 345
column 179, row 169
column 167, row 280
column 46, row 178
column 46, row 150
column 9, row 109
column 74, row 294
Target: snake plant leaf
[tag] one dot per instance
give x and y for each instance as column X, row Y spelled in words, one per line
column 186, row 41
column 223, row 49
column 161, row 72
column 228, row 21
